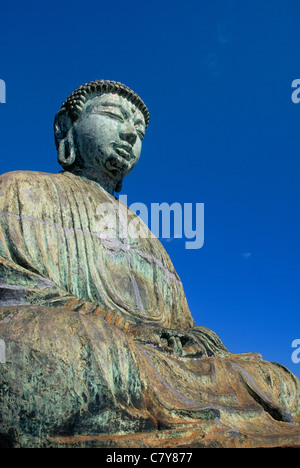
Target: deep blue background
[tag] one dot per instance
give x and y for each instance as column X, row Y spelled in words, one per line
column 216, row 76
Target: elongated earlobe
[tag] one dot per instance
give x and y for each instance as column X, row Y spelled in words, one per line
column 66, row 152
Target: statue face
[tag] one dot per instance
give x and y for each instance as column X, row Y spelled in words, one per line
column 108, row 135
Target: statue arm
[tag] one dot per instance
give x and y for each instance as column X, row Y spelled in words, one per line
column 21, row 287
column 196, row 342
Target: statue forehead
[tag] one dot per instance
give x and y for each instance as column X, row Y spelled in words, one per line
column 107, row 99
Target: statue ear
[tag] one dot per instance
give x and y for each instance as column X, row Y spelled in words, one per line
column 64, row 139
column 66, row 150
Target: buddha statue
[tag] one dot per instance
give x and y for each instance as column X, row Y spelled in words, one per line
column 101, row 347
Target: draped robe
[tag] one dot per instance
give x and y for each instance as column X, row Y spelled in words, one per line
column 71, row 294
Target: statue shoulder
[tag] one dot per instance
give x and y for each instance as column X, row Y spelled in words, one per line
column 16, row 176
column 26, row 190
column 15, row 179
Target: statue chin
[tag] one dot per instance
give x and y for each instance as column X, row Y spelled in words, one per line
column 117, row 167
column 102, row 349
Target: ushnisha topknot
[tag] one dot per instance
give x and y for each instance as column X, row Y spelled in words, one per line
column 75, row 102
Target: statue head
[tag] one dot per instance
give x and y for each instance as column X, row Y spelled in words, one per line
column 99, row 130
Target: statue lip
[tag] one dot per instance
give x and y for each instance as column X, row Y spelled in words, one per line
column 124, row 150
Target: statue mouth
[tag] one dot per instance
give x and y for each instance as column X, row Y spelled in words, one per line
column 117, row 165
column 124, row 151
column 120, row 160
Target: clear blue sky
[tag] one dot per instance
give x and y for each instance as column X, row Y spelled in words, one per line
column 216, row 76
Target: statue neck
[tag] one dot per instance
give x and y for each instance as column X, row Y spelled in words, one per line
column 98, row 176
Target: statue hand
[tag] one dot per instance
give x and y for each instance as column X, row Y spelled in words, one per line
column 167, row 340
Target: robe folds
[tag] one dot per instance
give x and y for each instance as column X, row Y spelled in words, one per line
column 59, row 236
column 84, row 303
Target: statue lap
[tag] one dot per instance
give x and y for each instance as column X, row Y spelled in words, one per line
column 74, row 380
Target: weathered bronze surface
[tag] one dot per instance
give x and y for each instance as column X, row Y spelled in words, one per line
column 101, row 348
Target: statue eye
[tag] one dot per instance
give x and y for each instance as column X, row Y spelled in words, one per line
column 141, row 134
column 113, row 115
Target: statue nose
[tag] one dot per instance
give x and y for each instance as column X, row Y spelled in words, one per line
column 129, row 134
